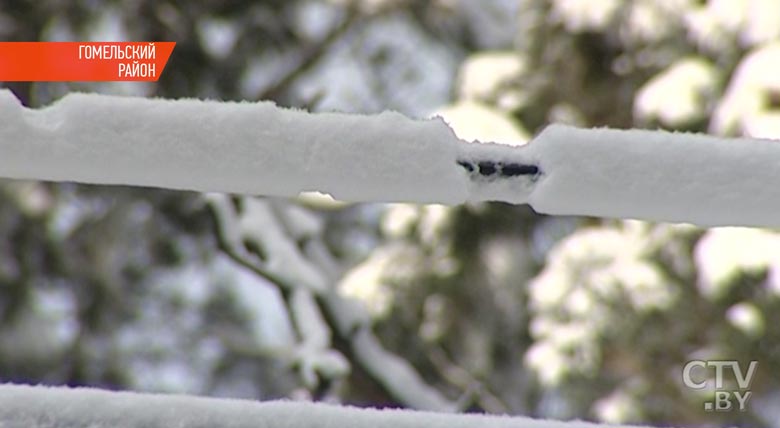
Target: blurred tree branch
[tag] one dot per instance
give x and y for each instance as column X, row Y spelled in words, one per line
column 310, row 57
column 399, row 379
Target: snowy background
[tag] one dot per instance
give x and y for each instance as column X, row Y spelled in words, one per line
column 481, row 307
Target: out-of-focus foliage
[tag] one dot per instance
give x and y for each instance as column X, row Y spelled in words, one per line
column 495, row 307
column 616, row 308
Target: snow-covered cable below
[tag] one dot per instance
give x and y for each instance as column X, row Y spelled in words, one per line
column 258, row 148
column 43, row 407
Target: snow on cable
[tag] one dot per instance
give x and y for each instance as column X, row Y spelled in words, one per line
column 259, row 148
column 44, row 407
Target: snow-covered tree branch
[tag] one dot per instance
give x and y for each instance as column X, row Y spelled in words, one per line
column 303, row 276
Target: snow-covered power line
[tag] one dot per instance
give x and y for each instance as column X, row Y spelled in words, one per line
column 658, row 176
column 42, row 407
column 258, row 148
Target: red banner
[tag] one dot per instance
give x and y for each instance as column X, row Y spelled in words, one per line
column 83, row 61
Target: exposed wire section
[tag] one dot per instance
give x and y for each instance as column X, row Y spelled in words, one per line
column 514, row 169
column 487, row 168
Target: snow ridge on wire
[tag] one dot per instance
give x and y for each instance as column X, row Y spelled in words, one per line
column 248, row 148
column 42, row 407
